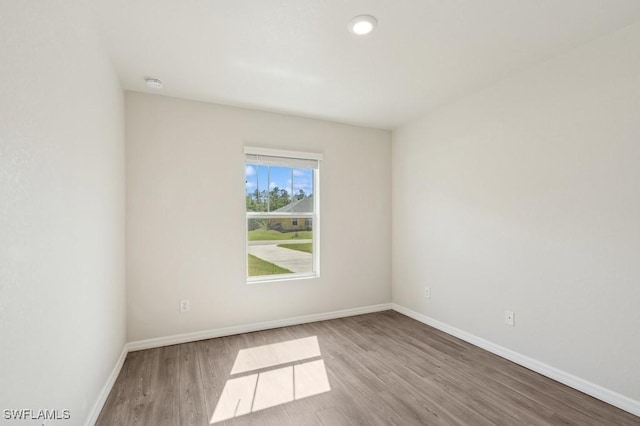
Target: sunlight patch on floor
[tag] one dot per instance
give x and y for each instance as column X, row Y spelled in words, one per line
column 275, row 354
column 254, row 392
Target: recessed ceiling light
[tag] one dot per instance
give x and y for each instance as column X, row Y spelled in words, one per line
column 363, row 24
column 154, row 83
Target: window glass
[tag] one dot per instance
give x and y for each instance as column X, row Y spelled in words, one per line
column 281, row 212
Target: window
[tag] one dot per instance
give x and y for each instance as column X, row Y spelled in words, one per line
column 281, row 190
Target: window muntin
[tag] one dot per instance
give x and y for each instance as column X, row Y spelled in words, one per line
column 282, row 201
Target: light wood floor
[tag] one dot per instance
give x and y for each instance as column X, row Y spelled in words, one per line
column 382, row 368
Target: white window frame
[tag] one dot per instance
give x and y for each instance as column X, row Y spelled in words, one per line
column 315, row 216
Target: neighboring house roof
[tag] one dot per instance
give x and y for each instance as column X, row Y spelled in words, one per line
column 299, row 206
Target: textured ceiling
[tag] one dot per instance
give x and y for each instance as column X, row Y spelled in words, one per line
column 297, row 56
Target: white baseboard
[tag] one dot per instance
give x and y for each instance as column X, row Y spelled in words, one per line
column 623, row 402
column 247, row 328
column 106, row 389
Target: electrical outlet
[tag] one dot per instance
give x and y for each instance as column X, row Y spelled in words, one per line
column 427, row 292
column 509, row 318
column 184, row 305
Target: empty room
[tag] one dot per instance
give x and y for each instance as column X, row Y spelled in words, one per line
column 319, row 212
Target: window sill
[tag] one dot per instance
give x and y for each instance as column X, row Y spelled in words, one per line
column 282, row 277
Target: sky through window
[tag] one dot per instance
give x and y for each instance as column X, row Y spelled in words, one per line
column 266, row 178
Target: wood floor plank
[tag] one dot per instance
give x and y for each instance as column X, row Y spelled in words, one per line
column 443, row 382
column 356, row 412
column 165, row 386
column 193, row 410
column 216, row 357
column 333, row 416
column 119, row 407
column 382, row 369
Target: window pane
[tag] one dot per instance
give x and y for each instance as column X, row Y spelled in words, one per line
column 302, row 190
column 256, row 178
column 280, row 246
column 278, row 189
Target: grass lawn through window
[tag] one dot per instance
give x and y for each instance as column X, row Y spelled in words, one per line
column 265, row 235
column 305, row 247
column 258, row 266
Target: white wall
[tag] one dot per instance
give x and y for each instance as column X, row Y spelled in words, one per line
column 526, row 197
column 186, row 217
column 62, row 307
